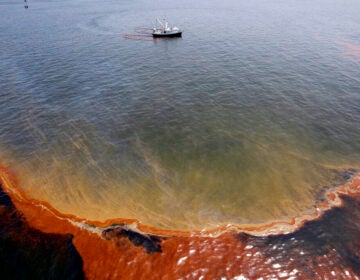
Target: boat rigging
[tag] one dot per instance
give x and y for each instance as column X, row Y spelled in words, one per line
column 165, row 30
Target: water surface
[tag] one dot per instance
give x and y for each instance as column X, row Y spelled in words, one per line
column 242, row 120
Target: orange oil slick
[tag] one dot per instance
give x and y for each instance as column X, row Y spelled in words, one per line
column 229, row 251
column 352, row 51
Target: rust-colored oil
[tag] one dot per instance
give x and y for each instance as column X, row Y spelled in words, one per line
column 303, row 248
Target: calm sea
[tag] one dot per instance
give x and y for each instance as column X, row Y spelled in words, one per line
column 243, row 120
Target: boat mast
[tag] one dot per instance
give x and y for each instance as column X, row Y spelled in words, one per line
column 161, row 23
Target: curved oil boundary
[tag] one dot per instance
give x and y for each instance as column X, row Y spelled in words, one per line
column 322, row 245
column 330, row 199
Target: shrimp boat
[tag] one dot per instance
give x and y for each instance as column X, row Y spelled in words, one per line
column 165, row 30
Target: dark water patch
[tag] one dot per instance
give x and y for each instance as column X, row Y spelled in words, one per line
column 27, row 253
column 348, row 174
column 332, row 242
column 5, row 200
column 341, row 177
column 151, row 243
